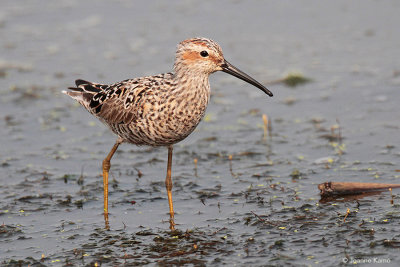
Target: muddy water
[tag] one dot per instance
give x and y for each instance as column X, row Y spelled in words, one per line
column 261, row 206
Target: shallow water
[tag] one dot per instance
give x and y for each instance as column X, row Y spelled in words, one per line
column 262, row 206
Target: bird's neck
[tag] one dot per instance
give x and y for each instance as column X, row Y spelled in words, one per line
column 191, row 82
column 191, row 95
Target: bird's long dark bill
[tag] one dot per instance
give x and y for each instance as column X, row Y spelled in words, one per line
column 232, row 70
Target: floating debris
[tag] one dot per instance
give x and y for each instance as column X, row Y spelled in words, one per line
column 326, row 160
column 292, row 79
column 296, row 174
column 348, row 188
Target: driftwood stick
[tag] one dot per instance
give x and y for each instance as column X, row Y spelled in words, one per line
column 348, row 188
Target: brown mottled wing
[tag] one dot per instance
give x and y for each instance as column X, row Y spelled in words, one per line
column 115, row 105
column 112, row 111
column 123, row 102
column 118, row 103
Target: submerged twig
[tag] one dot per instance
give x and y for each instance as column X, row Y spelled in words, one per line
column 80, row 180
column 266, row 125
column 219, row 230
column 391, row 194
column 347, row 214
column 195, row 166
column 139, row 173
column 230, row 157
column 349, row 188
column 263, row 220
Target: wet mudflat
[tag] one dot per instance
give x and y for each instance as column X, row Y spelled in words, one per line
column 241, row 197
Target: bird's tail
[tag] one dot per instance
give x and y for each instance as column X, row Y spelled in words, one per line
column 84, row 91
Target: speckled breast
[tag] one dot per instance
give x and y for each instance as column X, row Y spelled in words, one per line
column 166, row 121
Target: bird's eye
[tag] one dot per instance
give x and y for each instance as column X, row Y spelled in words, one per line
column 204, row 53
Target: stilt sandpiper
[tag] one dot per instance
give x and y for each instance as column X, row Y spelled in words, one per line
column 158, row 110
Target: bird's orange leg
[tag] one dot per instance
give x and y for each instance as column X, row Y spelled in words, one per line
column 168, row 185
column 106, row 168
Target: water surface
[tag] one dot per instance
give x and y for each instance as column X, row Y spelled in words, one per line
column 262, row 206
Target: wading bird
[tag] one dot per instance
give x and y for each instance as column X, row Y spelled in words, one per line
column 159, row 110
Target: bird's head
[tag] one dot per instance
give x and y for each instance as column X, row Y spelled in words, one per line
column 204, row 56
